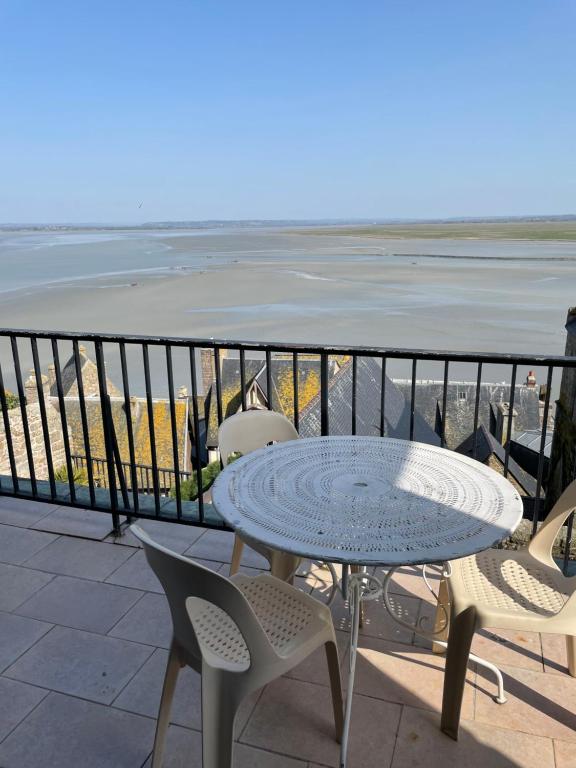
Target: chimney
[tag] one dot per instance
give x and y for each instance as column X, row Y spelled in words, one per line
column 207, row 359
column 51, row 378
column 31, row 389
column 182, row 393
column 531, row 379
column 503, row 416
column 208, row 372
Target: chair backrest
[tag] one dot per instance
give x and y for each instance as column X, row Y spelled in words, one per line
column 541, row 545
column 183, row 578
column 249, row 430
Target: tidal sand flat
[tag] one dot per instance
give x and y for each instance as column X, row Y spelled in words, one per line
column 272, row 285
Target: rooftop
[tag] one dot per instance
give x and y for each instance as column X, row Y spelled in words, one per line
column 84, row 629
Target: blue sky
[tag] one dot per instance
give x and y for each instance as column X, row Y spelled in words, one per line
column 293, row 109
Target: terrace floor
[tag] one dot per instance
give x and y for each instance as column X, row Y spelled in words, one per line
column 84, row 629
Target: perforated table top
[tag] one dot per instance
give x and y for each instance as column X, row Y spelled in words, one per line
column 367, row 500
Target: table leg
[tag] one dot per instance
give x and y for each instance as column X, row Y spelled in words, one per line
column 355, row 597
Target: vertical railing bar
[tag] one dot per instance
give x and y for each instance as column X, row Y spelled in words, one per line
column 151, row 428
column 324, row 399
column 295, row 387
column 129, row 426
column 568, row 544
column 540, row 472
column 477, row 410
column 63, row 419
column 354, row 392
column 118, row 460
column 8, row 435
column 510, row 419
column 269, row 378
column 84, row 419
column 196, row 426
column 106, row 418
column 24, row 414
column 383, row 399
column 413, row 399
column 444, row 404
column 43, row 417
column 218, row 374
column 243, row 378
column 174, row 433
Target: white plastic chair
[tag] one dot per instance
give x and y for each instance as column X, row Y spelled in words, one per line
column 504, row 589
column 242, row 433
column 240, row 634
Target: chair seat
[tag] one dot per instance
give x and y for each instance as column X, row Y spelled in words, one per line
column 515, row 582
column 284, row 612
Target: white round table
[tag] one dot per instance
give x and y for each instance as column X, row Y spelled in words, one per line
column 366, row 501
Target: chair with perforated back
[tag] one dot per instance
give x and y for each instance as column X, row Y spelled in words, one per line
column 504, row 589
column 240, row 634
column 242, row 433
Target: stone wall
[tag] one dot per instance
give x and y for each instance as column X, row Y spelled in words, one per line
column 36, row 438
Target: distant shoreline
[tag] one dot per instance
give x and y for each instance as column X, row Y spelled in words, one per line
column 552, row 230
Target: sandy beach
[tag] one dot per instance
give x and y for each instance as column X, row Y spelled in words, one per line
column 275, row 286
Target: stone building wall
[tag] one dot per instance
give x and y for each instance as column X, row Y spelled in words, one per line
column 36, row 438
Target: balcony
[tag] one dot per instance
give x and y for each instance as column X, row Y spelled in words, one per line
column 85, row 626
column 84, row 635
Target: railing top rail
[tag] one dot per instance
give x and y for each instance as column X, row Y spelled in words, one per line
column 314, row 349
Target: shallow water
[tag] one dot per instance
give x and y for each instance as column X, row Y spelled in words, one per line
column 271, row 285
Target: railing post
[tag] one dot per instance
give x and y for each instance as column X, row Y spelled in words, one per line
column 324, row 401
column 106, row 419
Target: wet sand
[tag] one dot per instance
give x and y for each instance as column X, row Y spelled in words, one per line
column 274, row 286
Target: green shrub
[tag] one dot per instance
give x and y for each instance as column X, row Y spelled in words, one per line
column 189, row 488
column 79, row 475
column 12, row 400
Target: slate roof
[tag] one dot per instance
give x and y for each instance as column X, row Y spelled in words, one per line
column 486, row 447
column 460, row 406
column 525, row 450
column 368, row 398
column 531, row 438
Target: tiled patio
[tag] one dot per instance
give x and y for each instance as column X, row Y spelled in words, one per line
column 84, row 629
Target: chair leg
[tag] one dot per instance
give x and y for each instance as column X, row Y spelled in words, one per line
column 170, row 679
column 219, row 707
column 571, row 653
column 442, row 621
column 462, row 628
column 336, row 687
column 236, row 555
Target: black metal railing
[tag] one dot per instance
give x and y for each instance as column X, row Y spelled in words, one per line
column 80, row 403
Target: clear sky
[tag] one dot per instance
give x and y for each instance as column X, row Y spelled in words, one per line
column 138, row 111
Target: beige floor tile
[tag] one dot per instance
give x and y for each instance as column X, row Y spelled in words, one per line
column 377, row 621
column 406, row 675
column 554, row 654
column 314, row 669
column 184, row 749
column 295, row 718
column 565, row 754
column 538, row 703
column 509, row 648
column 421, row 744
